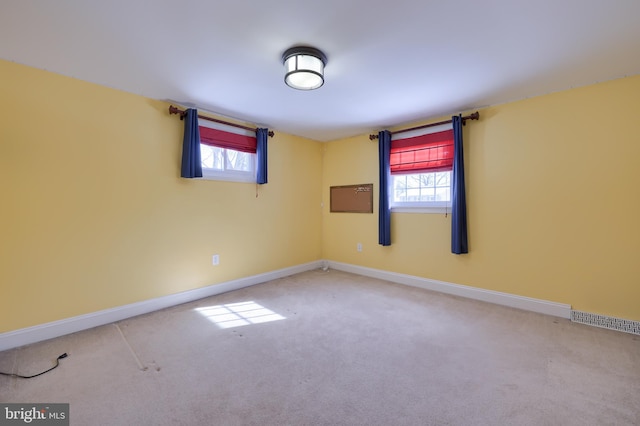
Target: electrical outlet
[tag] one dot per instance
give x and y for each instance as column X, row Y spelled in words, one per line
column 215, row 259
column 359, row 247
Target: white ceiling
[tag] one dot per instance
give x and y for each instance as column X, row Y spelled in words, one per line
column 389, row 63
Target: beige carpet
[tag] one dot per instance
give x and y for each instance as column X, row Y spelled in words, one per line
column 331, row 348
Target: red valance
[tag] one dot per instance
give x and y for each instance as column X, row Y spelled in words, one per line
column 428, row 153
column 222, row 139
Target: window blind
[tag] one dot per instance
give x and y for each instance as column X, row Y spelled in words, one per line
column 222, row 139
column 427, row 153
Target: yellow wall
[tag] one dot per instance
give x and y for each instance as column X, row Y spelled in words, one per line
column 94, row 214
column 553, row 202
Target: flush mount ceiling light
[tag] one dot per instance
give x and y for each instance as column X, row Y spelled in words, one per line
column 304, row 66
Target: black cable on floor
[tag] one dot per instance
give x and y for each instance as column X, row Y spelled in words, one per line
column 64, row 355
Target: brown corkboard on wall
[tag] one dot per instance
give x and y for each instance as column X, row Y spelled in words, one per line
column 351, row 198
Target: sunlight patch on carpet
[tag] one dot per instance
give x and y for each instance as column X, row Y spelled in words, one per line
column 239, row 314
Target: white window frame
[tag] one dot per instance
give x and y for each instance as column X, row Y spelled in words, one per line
column 437, row 207
column 229, row 175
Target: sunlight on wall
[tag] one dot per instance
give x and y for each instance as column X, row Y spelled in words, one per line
column 238, row 314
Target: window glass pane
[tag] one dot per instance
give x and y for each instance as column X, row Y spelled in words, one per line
column 413, row 194
column 413, row 181
column 427, row 194
column 211, row 157
column 443, row 178
column 237, row 160
column 399, row 188
column 442, row 194
column 427, row 179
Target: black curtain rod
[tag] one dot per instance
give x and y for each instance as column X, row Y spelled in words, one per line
column 174, row 110
column 473, row 116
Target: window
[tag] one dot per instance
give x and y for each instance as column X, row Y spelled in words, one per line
column 227, row 164
column 421, row 168
column 422, row 188
column 227, row 153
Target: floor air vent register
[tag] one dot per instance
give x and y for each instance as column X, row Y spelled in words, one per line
column 603, row 321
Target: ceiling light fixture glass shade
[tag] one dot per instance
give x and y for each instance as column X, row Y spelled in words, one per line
column 304, row 67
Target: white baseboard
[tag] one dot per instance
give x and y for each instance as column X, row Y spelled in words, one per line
column 506, row 299
column 53, row 329
column 25, row 336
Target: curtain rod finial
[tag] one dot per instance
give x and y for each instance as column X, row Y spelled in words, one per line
column 174, row 110
column 472, row 116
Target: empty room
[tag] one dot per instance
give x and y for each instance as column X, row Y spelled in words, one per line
column 320, row 213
